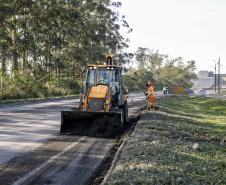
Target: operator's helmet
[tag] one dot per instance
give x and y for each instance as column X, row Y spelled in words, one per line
column 104, row 75
column 149, row 83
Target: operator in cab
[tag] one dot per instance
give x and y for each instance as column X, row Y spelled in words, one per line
column 104, row 80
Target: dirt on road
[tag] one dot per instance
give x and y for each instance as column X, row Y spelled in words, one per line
column 104, row 126
column 63, row 159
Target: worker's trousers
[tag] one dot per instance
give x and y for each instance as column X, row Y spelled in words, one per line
column 151, row 102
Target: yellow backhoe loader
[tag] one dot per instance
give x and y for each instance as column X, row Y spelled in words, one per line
column 103, row 107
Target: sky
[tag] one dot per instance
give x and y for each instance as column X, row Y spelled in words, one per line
column 191, row 29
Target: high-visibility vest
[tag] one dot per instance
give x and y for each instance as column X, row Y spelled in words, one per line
column 103, row 81
column 151, row 92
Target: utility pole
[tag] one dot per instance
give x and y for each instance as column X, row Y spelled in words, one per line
column 219, row 76
column 215, row 75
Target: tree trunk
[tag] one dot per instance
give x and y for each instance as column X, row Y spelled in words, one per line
column 23, row 52
column 3, row 69
column 15, row 62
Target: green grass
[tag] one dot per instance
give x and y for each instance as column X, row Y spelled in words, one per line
column 222, row 91
column 160, row 151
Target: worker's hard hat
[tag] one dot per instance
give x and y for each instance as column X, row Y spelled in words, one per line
column 149, row 83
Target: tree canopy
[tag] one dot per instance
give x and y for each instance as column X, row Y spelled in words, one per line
column 53, row 39
column 45, row 43
column 159, row 69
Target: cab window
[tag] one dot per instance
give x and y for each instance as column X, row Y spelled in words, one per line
column 91, row 77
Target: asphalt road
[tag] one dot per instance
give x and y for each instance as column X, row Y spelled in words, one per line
column 33, row 151
column 25, row 127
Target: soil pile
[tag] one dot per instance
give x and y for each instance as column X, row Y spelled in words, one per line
column 104, row 126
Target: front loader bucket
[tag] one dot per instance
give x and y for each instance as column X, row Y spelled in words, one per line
column 103, row 124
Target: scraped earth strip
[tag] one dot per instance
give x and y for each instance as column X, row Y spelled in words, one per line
column 66, row 159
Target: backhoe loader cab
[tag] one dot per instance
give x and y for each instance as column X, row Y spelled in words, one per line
column 103, row 96
column 106, row 76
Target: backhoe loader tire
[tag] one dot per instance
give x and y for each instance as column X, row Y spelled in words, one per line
column 81, row 97
column 125, row 112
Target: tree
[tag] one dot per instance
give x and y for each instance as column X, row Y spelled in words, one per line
column 52, row 40
column 161, row 71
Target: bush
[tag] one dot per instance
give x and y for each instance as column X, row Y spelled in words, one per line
column 21, row 87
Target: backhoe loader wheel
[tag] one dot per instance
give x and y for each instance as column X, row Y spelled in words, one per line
column 125, row 107
column 122, row 119
column 125, row 118
column 81, row 97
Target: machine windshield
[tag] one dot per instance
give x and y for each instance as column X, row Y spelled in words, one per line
column 104, row 77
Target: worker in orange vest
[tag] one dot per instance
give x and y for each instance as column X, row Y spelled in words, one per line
column 150, row 96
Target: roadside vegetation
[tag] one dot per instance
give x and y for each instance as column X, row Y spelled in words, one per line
column 223, row 91
column 159, row 69
column 45, row 44
column 183, row 142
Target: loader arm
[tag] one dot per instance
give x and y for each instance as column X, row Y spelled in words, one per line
column 108, row 100
column 85, row 105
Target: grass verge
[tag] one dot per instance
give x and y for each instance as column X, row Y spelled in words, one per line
column 183, row 142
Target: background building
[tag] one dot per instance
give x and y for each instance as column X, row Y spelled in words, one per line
column 206, row 79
